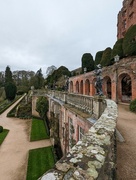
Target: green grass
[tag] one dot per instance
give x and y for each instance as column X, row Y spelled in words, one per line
column 39, row 161
column 38, row 130
column 3, row 135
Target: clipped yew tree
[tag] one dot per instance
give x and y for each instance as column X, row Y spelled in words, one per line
column 129, row 42
column 10, row 87
column 106, row 57
column 87, row 62
column 98, row 57
column 117, row 49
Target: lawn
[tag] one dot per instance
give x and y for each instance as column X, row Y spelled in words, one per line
column 40, row 160
column 38, row 130
column 3, row 135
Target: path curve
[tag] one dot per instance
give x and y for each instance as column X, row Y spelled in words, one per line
column 126, row 151
column 14, row 149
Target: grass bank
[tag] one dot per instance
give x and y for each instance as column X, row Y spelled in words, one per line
column 3, row 135
column 40, row 160
column 38, row 130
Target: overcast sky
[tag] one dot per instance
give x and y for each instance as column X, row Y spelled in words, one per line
column 36, row 34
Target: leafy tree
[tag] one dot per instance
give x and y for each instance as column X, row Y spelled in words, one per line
column 42, row 106
column 56, row 75
column 106, row 57
column 129, row 43
column 50, row 70
column 87, row 62
column 10, row 89
column 38, row 80
column 98, row 57
column 117, row 49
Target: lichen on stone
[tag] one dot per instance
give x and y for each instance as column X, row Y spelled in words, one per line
column 91, row 171
column 100, row 157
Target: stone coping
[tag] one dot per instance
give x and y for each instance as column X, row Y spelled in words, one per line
column 88, row 158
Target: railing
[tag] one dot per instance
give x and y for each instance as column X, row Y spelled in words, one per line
column 82, row 102
column 92, row 105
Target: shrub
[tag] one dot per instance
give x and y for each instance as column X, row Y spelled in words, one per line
column 106, row 57
column 98, row 57
column 129, row 42
column 132, row 106
column 42, row 106
column 87, row 62
column 1, row 129
column 117, row 49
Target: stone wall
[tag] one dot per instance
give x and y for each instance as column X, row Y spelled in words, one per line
column 126, row 17
column 94, row 156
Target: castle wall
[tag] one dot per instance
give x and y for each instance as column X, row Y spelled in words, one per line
column 126, row 17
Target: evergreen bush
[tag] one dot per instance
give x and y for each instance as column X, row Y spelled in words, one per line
column 129, row 42
column 1, row 129
column 87, row 62
column 98, row 57
column 117, row 49
column 106, row 57
column 132, row 106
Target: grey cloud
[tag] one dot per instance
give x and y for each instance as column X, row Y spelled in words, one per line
column 37, row 34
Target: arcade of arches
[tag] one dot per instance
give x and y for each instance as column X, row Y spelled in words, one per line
column 119, row 81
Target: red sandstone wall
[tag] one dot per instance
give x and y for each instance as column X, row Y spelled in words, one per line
column 126, row 17
column 113, row 74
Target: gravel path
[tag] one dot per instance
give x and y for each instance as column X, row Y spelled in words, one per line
column 126, row 151
column 14, row 149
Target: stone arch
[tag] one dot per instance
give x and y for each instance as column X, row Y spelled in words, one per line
column 124, row 88
column 81, row 87
column 71, row 86
column 107, row 90
column 87, row 87
column 77, row 87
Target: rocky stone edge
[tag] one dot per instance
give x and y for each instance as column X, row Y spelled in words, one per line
column 94, row 156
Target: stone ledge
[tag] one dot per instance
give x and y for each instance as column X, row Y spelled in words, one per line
column 93, row 157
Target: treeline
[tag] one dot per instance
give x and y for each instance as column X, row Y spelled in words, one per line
column 19, row 82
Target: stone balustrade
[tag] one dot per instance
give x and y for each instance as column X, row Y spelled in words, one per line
column 94, row 156
column 93, row 105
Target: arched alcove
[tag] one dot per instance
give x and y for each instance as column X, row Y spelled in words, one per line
column 77, row 87
column 107, row 87
column 81, row 87
column 125, row 88
column 87, row 87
